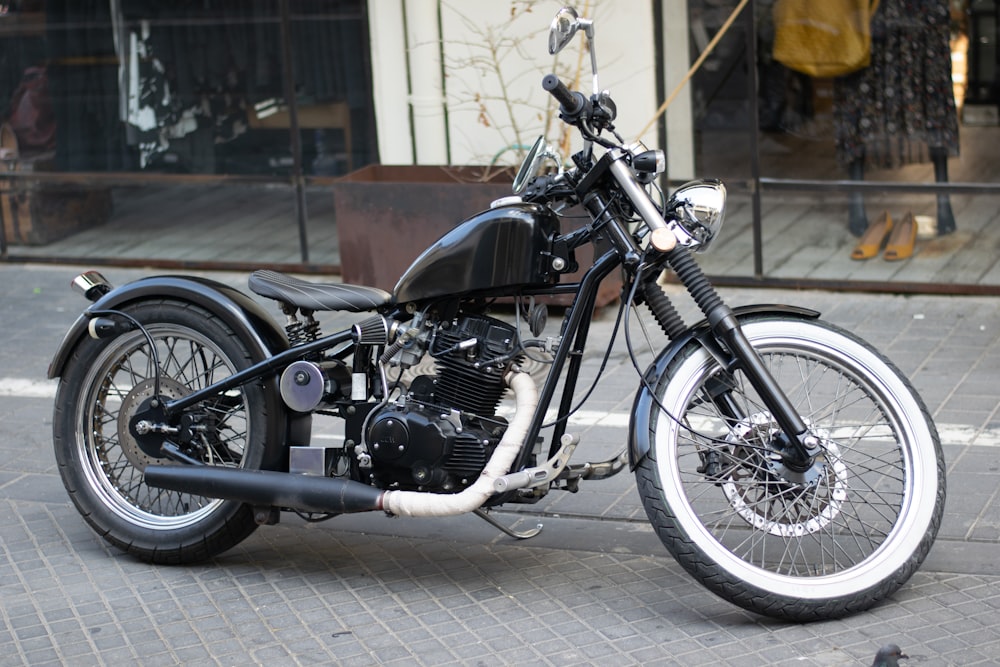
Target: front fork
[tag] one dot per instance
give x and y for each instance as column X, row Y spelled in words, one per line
column 798, row 447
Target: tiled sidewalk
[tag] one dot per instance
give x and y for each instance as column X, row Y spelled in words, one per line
column 595, row 587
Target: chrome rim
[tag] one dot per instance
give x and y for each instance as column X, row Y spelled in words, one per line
column 857, row 514
column 117, row 384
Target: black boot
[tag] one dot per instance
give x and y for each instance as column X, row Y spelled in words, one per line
column 857, row 219
column 945, row 216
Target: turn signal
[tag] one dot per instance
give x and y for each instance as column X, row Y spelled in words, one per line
column 105, row 327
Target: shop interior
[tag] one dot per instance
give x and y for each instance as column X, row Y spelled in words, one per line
column 805, row 232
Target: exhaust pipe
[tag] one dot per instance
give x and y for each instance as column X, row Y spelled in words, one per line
column 91, row 284
column 310, row 493
column 306, row 493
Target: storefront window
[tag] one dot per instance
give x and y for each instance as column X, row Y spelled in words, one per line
column 907, row 137
column 131, row 123
column 179, row 101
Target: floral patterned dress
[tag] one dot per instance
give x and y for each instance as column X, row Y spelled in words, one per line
column 890, row 113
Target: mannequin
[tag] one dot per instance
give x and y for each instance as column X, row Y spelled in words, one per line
column 858, row 219
column 900, row 109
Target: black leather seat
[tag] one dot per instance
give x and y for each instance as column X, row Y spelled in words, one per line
column 317, row 296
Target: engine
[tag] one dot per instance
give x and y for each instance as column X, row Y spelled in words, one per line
column 439, row 436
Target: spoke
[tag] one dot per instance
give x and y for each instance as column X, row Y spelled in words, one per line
column 795, row 527
column 187, row 362
column 171, row 366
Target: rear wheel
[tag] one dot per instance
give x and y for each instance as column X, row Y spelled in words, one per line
column 105, row 384
column 810, row 544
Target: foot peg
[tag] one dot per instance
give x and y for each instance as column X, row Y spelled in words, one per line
column 539, row 475
column 530, row 478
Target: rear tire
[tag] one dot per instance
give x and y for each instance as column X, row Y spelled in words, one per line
column 101, row 464
column 803, row 546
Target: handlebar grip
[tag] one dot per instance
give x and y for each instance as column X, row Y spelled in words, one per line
column 571, row 103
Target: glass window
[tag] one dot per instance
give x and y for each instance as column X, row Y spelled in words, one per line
column 909, row 136
column 182, row 106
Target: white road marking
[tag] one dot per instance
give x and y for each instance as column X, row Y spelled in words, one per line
column 951, row 434
column 25, row 388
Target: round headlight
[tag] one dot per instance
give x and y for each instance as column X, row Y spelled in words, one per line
column 698, row 209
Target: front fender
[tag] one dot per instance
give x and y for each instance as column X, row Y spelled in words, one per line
column 241, row 313
column 639, row 442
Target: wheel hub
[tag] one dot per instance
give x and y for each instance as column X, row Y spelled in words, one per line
column 773, row 497
column 143, row 449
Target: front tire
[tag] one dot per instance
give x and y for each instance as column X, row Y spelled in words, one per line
column 798, row 545
column 101, row 463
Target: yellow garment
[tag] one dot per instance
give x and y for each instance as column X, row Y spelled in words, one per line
column 823, row 38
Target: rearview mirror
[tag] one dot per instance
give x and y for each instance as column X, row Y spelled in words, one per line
column 563, row 28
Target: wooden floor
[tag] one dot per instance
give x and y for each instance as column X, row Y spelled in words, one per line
column 234, row 224
column 804, row 235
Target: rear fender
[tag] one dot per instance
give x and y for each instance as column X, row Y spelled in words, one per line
column 241, row 313
column 639, row 437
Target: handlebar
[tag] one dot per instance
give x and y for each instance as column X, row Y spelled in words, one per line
column 573, row 107
column 571, row 104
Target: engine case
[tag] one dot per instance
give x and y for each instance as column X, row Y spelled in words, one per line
column 441, row 434
column 416, row 446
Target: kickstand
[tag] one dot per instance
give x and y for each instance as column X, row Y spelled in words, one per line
column 520, row 535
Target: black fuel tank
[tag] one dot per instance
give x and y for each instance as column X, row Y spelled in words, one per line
column 503, row 247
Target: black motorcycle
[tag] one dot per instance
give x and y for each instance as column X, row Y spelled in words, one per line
column 784, row 462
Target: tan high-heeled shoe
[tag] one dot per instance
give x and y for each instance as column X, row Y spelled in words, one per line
column 902, row 239
column 871, row 241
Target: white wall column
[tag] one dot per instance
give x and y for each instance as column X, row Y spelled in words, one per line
column 389, row 87
column 412, row 112
column 427, row 95
column 679, row 118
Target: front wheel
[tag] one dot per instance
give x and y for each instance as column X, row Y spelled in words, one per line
column 107, row 382
column 802, row 545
